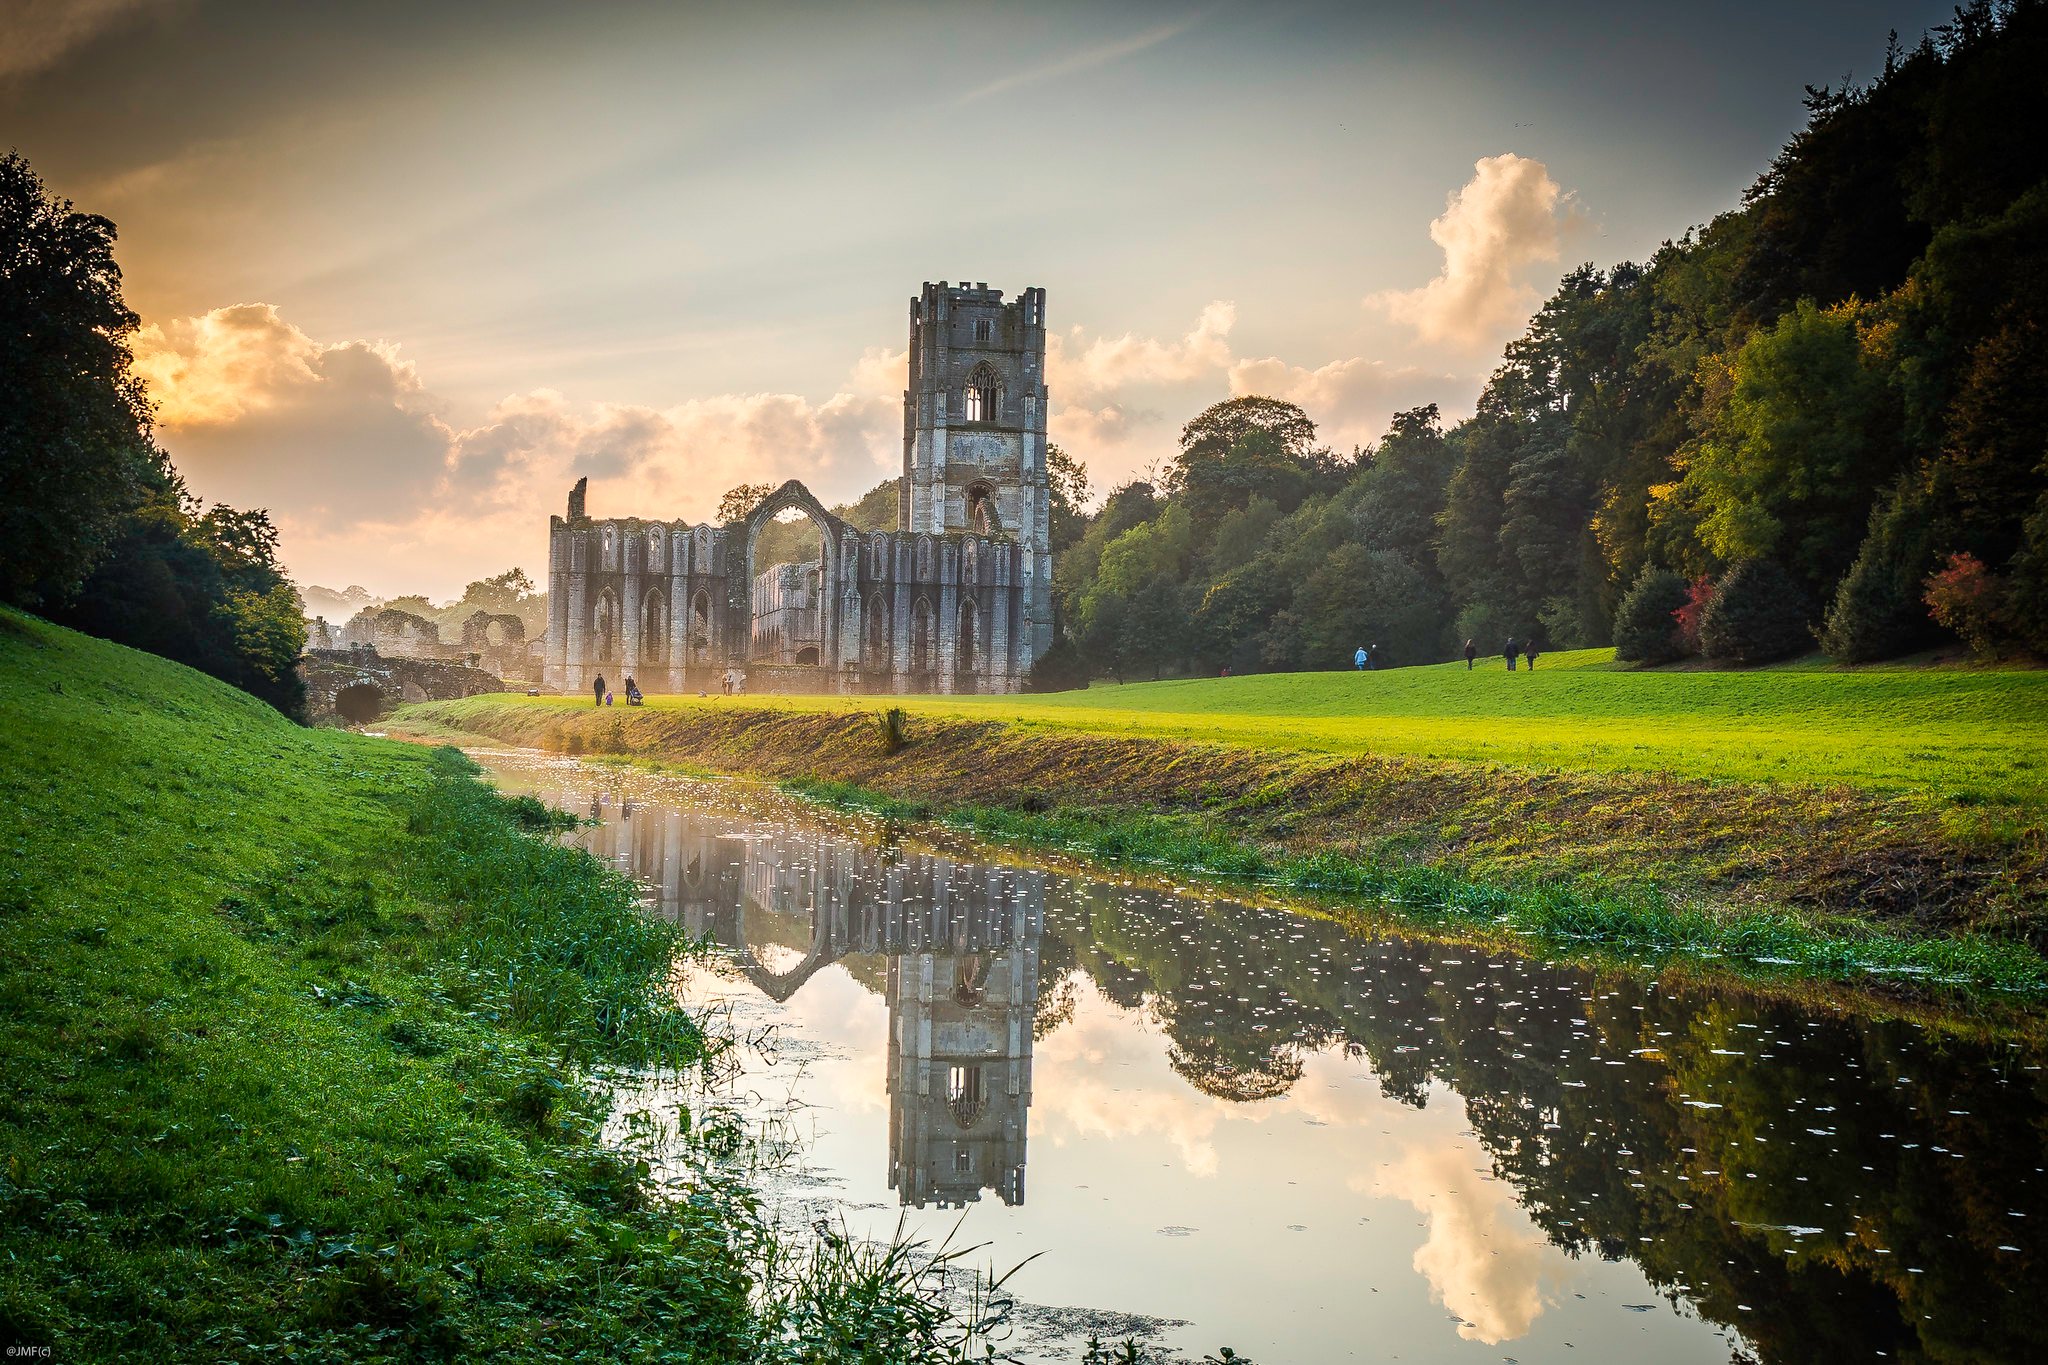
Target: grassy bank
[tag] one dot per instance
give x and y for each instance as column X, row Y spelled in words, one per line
column 299, row 1032
column 1970, row 737
column 1635, row 856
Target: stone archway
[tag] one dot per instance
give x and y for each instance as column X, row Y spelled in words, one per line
column 792, row 609
column 359, row 703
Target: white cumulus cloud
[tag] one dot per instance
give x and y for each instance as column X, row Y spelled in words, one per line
column 1509, row 216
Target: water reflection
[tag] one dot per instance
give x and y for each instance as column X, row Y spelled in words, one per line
column 959, row 944
column 1575, row 1160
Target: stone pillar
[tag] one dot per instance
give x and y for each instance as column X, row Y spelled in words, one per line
column 946, row 628
column 632, row 553
column 678, row 617
column 554, row 669
column 576, row 667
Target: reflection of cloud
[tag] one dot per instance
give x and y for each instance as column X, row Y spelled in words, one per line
column 1483, row 1258
column 1503, row 219
column 35, row 34
column 1076, row 1069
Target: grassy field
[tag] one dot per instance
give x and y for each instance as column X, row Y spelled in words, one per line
column 298, row 1039
column 1965, row 736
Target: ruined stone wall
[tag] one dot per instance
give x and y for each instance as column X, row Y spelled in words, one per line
column 959, row 599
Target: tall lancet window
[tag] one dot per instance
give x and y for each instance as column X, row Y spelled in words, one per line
column 981, row 395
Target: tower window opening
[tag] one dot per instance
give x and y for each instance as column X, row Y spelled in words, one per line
column 981, row 395
column 984, row 330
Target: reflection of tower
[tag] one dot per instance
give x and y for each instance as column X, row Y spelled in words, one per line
column 960, row 1014
column 961, row 952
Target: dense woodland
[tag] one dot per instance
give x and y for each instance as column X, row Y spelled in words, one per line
column 1819, row 419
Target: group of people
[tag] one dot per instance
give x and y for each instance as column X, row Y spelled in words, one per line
column 1510, row 651
column 1369, row 656
column 601, row 695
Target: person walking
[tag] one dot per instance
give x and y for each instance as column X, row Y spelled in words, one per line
column 1514, row 647
column 1471, row 653
column 597, row 691
column 1529, row 653
column 1358, row 659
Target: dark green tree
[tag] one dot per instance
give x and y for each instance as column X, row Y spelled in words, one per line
column 75, row 452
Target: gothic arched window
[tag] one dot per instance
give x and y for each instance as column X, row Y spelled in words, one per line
column 982, row 394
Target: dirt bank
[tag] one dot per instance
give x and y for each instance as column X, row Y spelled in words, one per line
column 1839, row 852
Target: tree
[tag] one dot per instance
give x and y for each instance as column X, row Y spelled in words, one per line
column 1877, row 611
column 75, row 453
column 1800, row 432
column 739, row 502
column 1067, row 482
column 1758, row 613
column 1245, row 448
column 1646, row 624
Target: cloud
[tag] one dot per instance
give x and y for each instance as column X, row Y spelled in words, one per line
column 36, row 34
column 1077, row 373
column 1350, row 400
column 367, row 472
column 260, row 414
column 1509, row 216
column 1086, row 59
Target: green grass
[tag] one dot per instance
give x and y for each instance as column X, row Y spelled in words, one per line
column 300, row 1032
column 1556, row 914
column 1972, row 737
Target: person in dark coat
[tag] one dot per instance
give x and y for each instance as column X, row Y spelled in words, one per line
column 1514, row 647
column 597, row 691
column 1471, row 653
column 1529, row 653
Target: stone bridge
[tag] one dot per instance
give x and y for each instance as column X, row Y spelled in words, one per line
column 358, row 685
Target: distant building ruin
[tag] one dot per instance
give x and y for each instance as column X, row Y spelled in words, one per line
column 957, row 599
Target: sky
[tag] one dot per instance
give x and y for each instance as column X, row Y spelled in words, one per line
column 408, row 270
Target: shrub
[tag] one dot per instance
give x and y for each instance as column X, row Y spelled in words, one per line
column 1060, row 669
column 1699, row 595
column 1757, row 614
column 1877, row 612
column 889, row 729
column 1646, row 623
column 1965, row 597
column 2026, row 594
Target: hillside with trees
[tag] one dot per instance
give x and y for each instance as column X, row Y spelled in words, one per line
column 97, row 530
column 1817, row 420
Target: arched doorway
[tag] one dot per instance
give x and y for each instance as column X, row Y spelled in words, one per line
column 605, row 627
column 790, row 576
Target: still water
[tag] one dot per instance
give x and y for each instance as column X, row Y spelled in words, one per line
column 1227, row 1124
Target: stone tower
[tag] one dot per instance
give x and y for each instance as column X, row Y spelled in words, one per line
column 974, row 433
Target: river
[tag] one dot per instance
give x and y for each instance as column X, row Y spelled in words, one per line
column 1222, row 1123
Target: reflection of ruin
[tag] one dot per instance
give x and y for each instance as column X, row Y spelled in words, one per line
column 960, row 945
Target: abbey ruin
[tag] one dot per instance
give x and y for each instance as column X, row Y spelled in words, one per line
column 958, row 598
